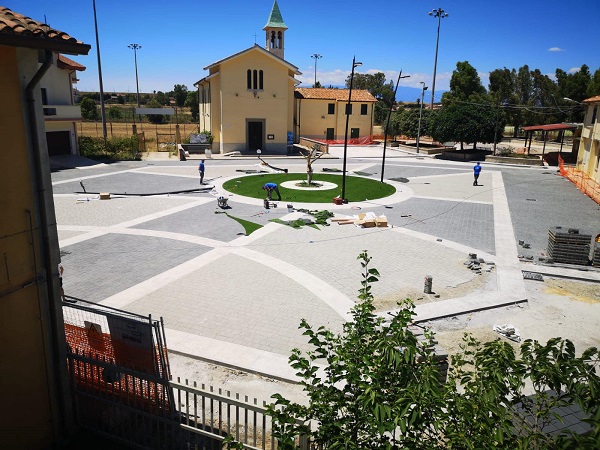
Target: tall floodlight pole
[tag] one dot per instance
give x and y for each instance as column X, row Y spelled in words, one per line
column 421, row 113
column 440, row 14
column 135, row 48
column 316, row 57
column 348, row 105
column 102, row 109
column 388, row 122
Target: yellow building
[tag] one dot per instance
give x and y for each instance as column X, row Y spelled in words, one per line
column 249, row 100
column 321, row 114
column 588, row 160
column 586, row 174
column 36, row 403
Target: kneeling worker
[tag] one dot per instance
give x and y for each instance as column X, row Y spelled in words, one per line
column 270, row 188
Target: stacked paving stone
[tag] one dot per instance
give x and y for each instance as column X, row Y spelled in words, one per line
column 596, row 260
column 568, row 246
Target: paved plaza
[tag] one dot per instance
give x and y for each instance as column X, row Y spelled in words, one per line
column 157, row 248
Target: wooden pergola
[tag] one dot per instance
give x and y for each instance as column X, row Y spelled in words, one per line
column 545, row 129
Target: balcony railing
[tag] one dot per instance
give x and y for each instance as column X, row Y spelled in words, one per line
column 66, row 113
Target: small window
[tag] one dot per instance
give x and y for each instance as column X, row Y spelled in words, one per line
column 255, row 79
column 349, row 109
column 249, row 79
column 44, row 96
column 331, row 108
column 260, row 80
column 330, row 134
column 594, row 113
column 354, row 133
column 363, row 110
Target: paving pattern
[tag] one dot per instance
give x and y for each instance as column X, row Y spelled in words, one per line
column 238, row 300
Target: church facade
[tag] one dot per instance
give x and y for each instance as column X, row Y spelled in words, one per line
column 249, row 100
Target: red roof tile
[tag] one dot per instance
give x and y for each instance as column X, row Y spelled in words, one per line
column 592, row 99
column 17, row 30
column 358, row 95
column 66, row 63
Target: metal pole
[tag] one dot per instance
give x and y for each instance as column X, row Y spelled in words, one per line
column 496, row 126
column 354, row 64
column 420, row 113
column 316, row 57
column 440, row 14
column 102, row 110
column 135, row 47
column 388, row 123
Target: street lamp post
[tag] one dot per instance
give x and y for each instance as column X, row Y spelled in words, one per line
column 349, row 104
column 135, row 48
column 440, row 14
column 420, row 113
column 388, row 122
column 102, row 108
column 316, row 57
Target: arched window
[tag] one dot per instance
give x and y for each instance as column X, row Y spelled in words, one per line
column 260, row 79
column 249, row 79
column 279, row 39
column 255, row 80
column 272, row 44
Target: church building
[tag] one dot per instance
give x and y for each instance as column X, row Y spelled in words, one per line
column 249, row 100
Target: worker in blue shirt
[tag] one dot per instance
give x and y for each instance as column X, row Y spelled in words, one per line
column 201, row 171
column 476, row 171
column 270, row 188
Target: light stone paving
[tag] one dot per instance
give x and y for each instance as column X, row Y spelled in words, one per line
column 239, row 301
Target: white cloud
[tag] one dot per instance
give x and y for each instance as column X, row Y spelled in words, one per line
column 574, row 69
column 556, row 49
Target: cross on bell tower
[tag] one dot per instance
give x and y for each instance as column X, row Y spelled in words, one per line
column 274, row 31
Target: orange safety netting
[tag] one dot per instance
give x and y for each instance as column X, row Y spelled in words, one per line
column 87, row 347
column 584, row 183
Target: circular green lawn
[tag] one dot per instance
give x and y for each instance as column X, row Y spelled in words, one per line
column 357, row 188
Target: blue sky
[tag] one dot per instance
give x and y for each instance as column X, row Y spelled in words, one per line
column 180, row 37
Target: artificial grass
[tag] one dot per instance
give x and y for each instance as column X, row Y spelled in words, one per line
column 249, row 227
column 358, row 189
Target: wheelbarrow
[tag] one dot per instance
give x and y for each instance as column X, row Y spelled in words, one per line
column 222, row 202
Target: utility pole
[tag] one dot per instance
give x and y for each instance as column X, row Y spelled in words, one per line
column 316, row 57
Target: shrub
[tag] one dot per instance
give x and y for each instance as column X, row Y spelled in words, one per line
column 120, row 149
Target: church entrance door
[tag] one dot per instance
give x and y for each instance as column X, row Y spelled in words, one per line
column 255, row 133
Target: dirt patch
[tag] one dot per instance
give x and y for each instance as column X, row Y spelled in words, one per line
column 575, row 290
column 390, row 301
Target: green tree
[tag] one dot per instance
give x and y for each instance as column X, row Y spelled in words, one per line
column 465, row 84
column 594, row 86
column 376, row 386
column 161, row 98
column 89, row 111
column 467, row 123
column 180, row 93
column 114, row 113
column 408, row 122
column 191, row 101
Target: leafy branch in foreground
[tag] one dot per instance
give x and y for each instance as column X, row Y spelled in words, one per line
column 376, row 386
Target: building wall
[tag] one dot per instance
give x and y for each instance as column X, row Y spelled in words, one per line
column 58, row 85
column 30, row 381
column 589, row 148
column 314, row 118
column 233, row 103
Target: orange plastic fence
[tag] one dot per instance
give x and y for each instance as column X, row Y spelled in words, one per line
column 138, row 391
column 584, row 183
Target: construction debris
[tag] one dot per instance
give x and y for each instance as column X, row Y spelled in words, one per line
column 508, row 331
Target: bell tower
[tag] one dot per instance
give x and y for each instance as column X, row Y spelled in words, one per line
column 274, row 31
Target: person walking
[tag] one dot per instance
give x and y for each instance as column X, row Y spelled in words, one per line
column 61, row 271
column 270, row 188
column 476, row 171
column 201, row 171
